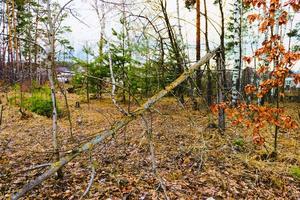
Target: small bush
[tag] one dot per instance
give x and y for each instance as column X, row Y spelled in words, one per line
column 40, row 106
column 295, row 172
column 239, row 142
column 40, row 102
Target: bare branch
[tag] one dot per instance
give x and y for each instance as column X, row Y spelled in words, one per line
column 93, row 173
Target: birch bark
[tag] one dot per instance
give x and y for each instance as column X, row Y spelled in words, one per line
column 236, row 51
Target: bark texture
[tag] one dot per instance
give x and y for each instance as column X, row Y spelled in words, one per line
column 236, row 51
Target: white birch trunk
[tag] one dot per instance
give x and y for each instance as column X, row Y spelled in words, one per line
column 179, row 20
column 236, row 50
column 102, row 23
column 50, row 70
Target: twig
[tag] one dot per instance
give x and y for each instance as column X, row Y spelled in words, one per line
column 152, row 153
column 34, row 168
column 1, row 111
column 93, row 173
column 150, row 137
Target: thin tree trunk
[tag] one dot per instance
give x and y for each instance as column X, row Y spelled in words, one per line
column 36, row 46
column 87, row 80
column 238, row 85
column 124, row 71
column 199, row 72
column 221, row 71
column 209, row 77
column 175, row 48
column 102, row 23
column 10, row 59
column 1, row 113
column 236, row 51
column 198, row 31
column 64, row 93
column 2, row 43
column 190, row 80
column 15, row 42
column 3, row 48
column 50, row 62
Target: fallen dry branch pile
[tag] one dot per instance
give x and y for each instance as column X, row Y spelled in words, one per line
column 116, row 127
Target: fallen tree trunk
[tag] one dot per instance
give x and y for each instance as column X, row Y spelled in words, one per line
column 117, row 126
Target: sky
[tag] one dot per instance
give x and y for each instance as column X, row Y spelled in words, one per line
column 89, row 31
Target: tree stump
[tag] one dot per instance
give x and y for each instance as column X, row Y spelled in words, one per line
column 77, row 104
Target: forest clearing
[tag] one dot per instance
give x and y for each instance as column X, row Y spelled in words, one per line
column 194, row 161
column 156, row 99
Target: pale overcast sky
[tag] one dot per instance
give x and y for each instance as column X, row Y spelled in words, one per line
column 90, row 31
column 82, row 33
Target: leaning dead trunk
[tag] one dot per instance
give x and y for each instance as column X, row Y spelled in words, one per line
column 116, row 127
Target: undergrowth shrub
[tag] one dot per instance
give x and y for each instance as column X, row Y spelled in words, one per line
column 295, row 172
column 39, row 102
column 239, row 142
column 41, row 106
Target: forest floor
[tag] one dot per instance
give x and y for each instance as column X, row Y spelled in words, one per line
column 193, row 160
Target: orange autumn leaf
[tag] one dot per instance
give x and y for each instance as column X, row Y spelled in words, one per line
column 275, row 37
column 289, row 123
column 263, row 26
column 262, row 70
column 247, row 59
column 247, row 123
column 247, row 2
column 259, row 3
column 283, row 18
column 252, row 17
column 250, row 89
column 296, row 78
column 214, row 108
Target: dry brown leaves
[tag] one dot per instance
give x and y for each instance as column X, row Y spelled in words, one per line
column 194, row 161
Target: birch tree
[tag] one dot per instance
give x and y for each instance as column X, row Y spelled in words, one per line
column 50, row 64
column 99, row 8
column 50, row 70
column 236, row 51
